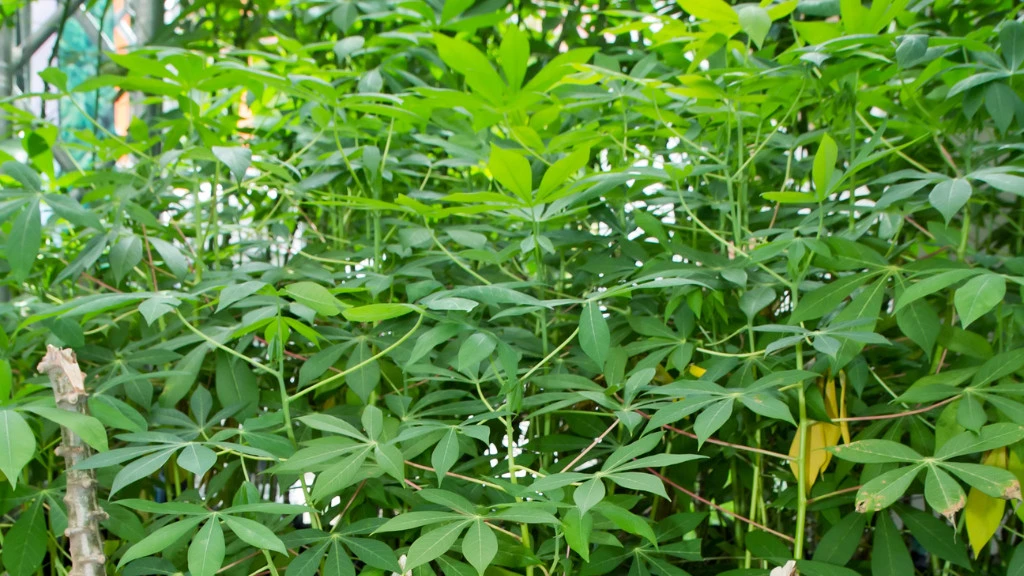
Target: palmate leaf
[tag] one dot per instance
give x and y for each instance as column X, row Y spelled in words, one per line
column 586, row 237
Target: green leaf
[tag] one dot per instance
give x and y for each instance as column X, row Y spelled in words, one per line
column 235, row 383
column 1011, row 44
column 338, row 476
column 949, row 196
column 411, row 520
column 477, row 348
column 196, row 458
column 374, row 553
column 935, row 536
column 206, row 554
column 840, row 543
column 237, row 292
column 6, row 377
column 991, row 437
column 24, row 241
column 125, row 255
column 889, row 555
column 376, row 312
column 515, row 55
column 993, row 481
column 177, row 387
column 467, row 60
column 970, row 414
column 25, row 541
column 577, row 528
column 348, row 45
column 877, row 452
column 711, row 10
column 999, row 367
column 711, row 419
column 921, row 324
column 88, row 428
column 373, row 422
column 236, row 158
column 932, row 285
column 445, row 454
column 141, row 468
column 314, row 296
column 755, row 22
column 1000, row 181
column 827, row 298
column 155, row 308
column 364, row 380
column 824, row 166
column 757, row 299
column 448, row 500
column 159, row 540
column 69, row 209
column 912, row 49
column 254, row 534
column 479, row 546
column 588, row 494
column 594, row 335
column 627, row 521
column 943, row 493
column 623, row 456
column 338, row 562
column 18, row 443
column 512, row 171
column 765, row 404
column 978, row 296
column 434, row 543
column 390, row 459
column 1016, row 567
column 560, row 172
column 639, row 481
column 452, row 303
column 25, row 175
column 884, row 489
column 332, row 424
column 308, row 563
column 1001, row 101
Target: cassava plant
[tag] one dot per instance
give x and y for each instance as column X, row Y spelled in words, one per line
column 500, row 288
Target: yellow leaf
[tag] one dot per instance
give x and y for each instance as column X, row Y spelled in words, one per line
column 820, row 437
column 661, row 375
column 831, row 407
column 697, row 371
column 983, row 514
column 844, row 426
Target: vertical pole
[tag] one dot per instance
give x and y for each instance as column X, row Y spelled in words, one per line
column 6, row 89
column 6, row 74
column 149, row 17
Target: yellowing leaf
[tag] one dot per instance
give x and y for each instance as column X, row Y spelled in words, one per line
column 820, row 437
column 844, row 427
column 983, row 514
column 696, row 371
column 662, row 376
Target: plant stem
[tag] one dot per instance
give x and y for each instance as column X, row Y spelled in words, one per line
column 84, row 514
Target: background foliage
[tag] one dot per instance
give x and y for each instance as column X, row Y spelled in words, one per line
column 535, row 288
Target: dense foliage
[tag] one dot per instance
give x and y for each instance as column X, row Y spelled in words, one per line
column 532, row 288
